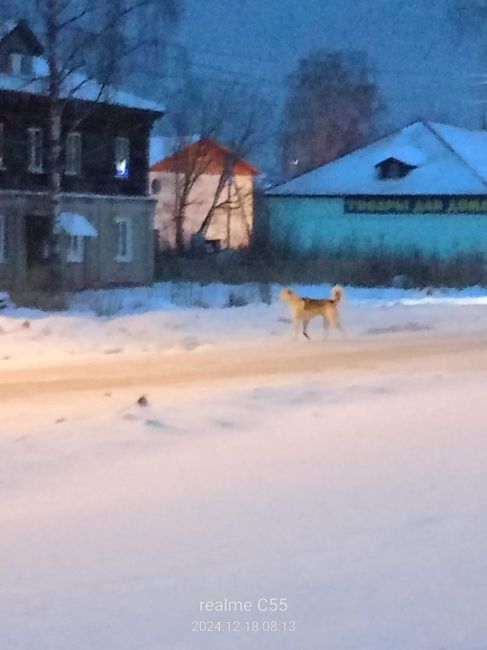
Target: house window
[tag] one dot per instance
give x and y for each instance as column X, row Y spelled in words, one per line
column 36, row 145
column 76, row 249
column 73, row 154
column 14, row 60
column 3, row 238
column 2, row 163
column 393, row 169
column 156, row 186
column 26, row 65
column 124, row 239
column 21, row 64
column 122, row 157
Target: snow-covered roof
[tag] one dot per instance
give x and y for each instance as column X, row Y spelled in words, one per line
column 405, row 152
column 448, row 160
column 76, row 86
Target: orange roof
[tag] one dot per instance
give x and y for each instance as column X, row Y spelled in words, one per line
column 209, row 155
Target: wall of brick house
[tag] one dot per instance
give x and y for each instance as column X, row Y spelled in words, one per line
column 200, row 200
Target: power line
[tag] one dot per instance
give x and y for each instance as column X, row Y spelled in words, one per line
column 222, row 54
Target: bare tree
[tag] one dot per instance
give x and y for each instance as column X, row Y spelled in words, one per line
column 330, row 110
column 232, row 117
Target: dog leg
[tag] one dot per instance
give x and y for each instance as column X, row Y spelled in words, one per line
column 305, row 327
column 295, row 330
column 339, row 326
column 325, row 328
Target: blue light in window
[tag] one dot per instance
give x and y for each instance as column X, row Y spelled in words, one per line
column 122, row 169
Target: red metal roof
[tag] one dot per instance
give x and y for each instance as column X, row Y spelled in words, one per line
column 210, row 156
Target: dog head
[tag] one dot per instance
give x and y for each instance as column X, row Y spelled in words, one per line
column 286, row 295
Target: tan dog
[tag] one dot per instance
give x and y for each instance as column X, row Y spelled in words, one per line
column 304, row 309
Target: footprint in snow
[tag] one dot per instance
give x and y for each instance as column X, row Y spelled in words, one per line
column 224, row 424
column 190, row 343
column 143, row 412
column 113, row 351
column 157, row 424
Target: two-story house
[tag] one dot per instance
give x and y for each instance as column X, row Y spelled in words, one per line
column 209, row 190
column 106, row 215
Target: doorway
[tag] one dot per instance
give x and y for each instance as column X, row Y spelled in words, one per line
column 36, row 240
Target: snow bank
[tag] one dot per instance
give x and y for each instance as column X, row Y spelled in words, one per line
column 175, row 316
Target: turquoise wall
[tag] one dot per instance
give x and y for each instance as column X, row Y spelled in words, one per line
column 307, row 225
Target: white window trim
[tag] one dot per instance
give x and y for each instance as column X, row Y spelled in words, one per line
column 16, row 62
column 15, row 59
column 128, row 256
column 3, row 238
column 33, row 168
column 76, row 248
column 122, row 154
column 74, row 170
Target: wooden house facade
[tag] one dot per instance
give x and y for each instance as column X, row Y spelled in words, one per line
column 106, row 215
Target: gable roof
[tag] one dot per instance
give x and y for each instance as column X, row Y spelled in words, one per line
column 448, row 160
column 213, row 155
column 25, row 32
column 75, row 86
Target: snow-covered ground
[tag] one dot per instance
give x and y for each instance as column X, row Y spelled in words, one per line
column 171, row 317
column 357, row 493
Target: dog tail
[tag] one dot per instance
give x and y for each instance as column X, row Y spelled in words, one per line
column 337, row 293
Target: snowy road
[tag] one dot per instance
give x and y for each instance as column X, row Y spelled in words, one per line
column 415, row 353
column 348, row 478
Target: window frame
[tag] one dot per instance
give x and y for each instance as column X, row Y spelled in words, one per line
column 20, row 64
column 125, row 251
column 34, row 168
column 75, row 251
column 73, row 156
column 15, row 63
column 155, row 185
column 121, row 154
column 26, row 65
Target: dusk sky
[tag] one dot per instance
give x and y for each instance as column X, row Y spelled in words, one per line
column 424, row 52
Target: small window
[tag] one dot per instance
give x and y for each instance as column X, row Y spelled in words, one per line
column 3, row 238
column 76, row 249
column 36, row 154
column 21, row 64
column 393, row 169
column 124, row 239
column 26, row 65
column 15, row 62
column 122, row 157
column 2, row 162
column 73, row 154
column 156, row 186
